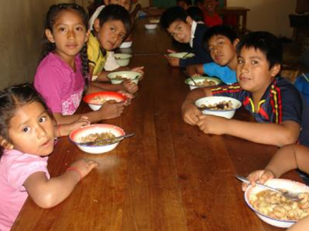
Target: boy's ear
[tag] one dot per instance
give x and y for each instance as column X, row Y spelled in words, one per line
column 87, row 36
column 106, row 2
column 49, row 35
column 96, row 25
column 236, row 41
column 275, row 70
column 189, row 20
column 5, row 144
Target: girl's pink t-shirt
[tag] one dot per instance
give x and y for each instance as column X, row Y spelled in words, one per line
column 60, row 86
column 15, row 168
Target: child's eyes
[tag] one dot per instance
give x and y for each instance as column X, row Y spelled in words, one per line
column 254, row 62
column 42, row 119
column 61, row 29
column 26, row 129
column 80, row 28
column 240, row 61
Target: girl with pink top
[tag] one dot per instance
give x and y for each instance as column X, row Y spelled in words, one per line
column 27, row 136
column 62, row 76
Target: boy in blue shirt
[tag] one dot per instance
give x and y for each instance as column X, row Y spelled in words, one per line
column 185, row 30
column 274, row 102
column 221, row 42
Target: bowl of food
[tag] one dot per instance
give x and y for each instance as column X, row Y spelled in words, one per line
column 126, row 44
column 202, row 81
column 96, row 100
column 218, row 106
column 96, row 138
column 151, row 26
column 118, row 76
column 275, row 209
column 181, row 55
column 122, row 59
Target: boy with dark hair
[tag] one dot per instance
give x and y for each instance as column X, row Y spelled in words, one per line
column 185, row 30
column 211, row 17
column 196, row 14
column 185, row 4
column 274, row 102
column 221, row 42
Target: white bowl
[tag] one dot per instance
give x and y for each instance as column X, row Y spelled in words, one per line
column 201, row 79
column 150, row 26
column 126, row 44
column 211, row 100
column 122, row 59
column 280, row 184
column 132, row 75
column 94, row 100
column 180, row 55
column 76, row 135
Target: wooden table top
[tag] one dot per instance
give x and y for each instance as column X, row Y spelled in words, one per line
column 168, row 177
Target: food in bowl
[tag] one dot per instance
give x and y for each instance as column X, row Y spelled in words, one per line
column 118, row 76
column 253, row 193
column 202, row 81
column 218, row 106
column 150, row 26
column 99, row 138
column 122, row 59
column 83, row 134
column 181, row 55
column 96, row 100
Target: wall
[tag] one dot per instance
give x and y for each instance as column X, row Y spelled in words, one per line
column 20, row 36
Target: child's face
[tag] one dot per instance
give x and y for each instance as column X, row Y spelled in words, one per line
column 111, row 34
column 31, row 130
column 253, row 73
column 69, row 34
column 180, row 31
column 125, row 3
column 222, row 50
column 210, row 5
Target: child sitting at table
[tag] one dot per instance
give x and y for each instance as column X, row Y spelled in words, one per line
column 274, row 102
column 286, row 159
column 110, row 30
column 185, row 30
column 27, row 138
column 211, row 17
column 196, row 14
column 62, row 75
column 185, row 4
column 221, row 42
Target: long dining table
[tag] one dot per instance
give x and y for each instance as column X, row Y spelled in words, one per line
column 168, row 177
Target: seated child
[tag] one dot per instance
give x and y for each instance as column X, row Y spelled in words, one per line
column 286, row 159
column 273, row 101
column 211, row 17
column 185, row 4
column 221, row 42
column 62, row 75
column 196, row 14
column 27, row 138
column 110, row 29
column 185, row 30
column 199, row 4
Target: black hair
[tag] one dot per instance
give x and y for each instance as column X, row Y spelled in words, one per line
column 266, row 42
column 195, row 13
column 188, row 2
column 115, row 12
column 171, row 15
column 11, row 98
column 196, row 2
column 51, row 17
column 223, row 30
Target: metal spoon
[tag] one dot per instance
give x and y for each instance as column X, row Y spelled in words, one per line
column 185, row 55
column 193, row 80
column 289, row 195
column 106, row 141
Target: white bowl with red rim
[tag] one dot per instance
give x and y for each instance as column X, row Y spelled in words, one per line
column 77, row 135
column 96, row 100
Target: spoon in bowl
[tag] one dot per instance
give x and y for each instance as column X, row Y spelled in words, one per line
column 106, row 141
column 288, row 195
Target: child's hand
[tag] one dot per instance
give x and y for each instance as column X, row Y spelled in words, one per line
column 129, row 86
column 174, row 62
column 138, row 69
column 83, row 167
column 211, row 124
column 190, row 114
column 171, row 51
column 260, row 175
column 111, row 110
column 129, row 97
column 82, row 121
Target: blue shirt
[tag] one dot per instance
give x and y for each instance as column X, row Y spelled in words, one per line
column 226, row 74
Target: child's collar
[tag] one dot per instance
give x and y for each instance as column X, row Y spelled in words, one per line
column 193, row 29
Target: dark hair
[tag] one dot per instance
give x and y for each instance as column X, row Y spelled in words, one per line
column 11, row 98
column 195, row 13
column 51, row 17
column 196, row 2
column 171, row 15
column 266, row 42
column 219, row 30
column 188, row 2
column 115, row 12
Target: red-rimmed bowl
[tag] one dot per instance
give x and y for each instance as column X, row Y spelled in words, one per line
column 96, row 100
column 76, row 137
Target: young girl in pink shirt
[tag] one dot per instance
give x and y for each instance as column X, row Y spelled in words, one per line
column 27, row 136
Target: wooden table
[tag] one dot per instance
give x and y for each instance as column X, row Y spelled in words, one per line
column 168, row 177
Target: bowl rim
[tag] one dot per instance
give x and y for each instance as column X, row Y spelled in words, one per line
column 190, row 55
column 129, row 56
column 217, row 80
column 72, row 133
column 234, row 109
column 87, row 98
column 246, row 197
column 120, row 72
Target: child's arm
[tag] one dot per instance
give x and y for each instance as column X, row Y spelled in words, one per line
column 266, row 133
column 195, row 70
column 301, row 225
column 65, row 129
column 47, row 193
